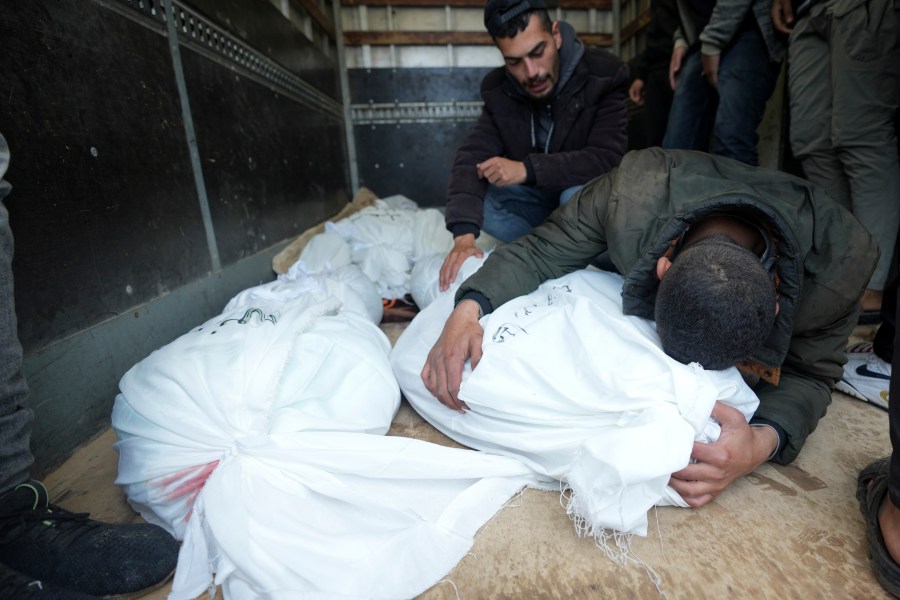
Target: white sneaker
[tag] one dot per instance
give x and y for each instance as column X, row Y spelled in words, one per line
column 866, row 377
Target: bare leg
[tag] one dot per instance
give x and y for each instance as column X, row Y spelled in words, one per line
column 889, row 520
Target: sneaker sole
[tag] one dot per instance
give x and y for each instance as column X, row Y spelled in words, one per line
column 143, row 592
column 847, row 388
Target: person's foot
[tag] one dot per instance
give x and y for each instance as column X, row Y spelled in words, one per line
column 889, row 522
column 48, row 543
column 866, row 376
column 882, row 529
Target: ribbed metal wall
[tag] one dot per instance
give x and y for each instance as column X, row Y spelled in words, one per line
column 142, row 169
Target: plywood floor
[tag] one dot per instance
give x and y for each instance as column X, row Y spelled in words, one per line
column 782, row 532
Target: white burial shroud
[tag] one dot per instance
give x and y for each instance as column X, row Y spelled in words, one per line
column 579, row 392
column 258, row 439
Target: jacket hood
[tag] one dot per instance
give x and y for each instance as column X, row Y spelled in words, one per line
column 721, row 187
column 570, row 52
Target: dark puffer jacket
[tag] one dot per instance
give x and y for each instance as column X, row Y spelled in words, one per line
column 589, row 135
column 825, row 259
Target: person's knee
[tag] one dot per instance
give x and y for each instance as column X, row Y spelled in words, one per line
column 734, row 133
column 871, row 136
column 503, row 215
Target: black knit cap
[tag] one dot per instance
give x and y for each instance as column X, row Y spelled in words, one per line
column 498, row 13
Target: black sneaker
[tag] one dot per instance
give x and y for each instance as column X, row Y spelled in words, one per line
column 15, row 585
column 72, row 551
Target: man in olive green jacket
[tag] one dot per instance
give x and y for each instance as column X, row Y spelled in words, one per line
column 657, row 207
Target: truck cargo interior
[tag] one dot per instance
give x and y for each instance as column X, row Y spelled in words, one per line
column 165, row 155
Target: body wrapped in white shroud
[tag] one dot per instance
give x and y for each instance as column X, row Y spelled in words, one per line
column 580, row 393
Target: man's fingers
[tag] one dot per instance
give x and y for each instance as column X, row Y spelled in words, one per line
column 692, row 488
column 442, row 373
column 708, row 456
column 674, row 68
column 452, row 271
column 449, row 270
column 447, row 275
column 698, row 501
column 429, row 378
column 695, row 493
column 782, row 14
column 686, row 487
column 437, row 381
column 449, row 384
column 717, row 464
column 494, row 174
column 442, row 378
column 634, row 92
column 727, row 415
column 453, row 263
column 475, row 355
column 487, row 169
column 501, row 172
column 788, row 11
column 697, row 471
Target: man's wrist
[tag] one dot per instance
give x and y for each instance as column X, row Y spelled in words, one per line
column 530, row 176
column 458, row 229
column 709, row 49
column 780, row 433
column 768, row 438
column 480, row 300
column 471, row 307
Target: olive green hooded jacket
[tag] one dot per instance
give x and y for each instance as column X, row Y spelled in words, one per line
column 824, row 261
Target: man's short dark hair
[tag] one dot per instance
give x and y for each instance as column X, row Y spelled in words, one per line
column 506, row 18
column 715, row 305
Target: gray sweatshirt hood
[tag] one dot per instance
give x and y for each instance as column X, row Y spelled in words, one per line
column 570, row 52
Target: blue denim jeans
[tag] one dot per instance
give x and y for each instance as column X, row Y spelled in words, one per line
column 733, row 112
column 15, row 421
column 514, row 210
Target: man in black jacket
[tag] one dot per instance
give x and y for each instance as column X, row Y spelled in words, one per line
column 554, row 117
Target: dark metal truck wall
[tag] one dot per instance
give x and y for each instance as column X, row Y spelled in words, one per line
column 151, row 180
column 408, row 123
